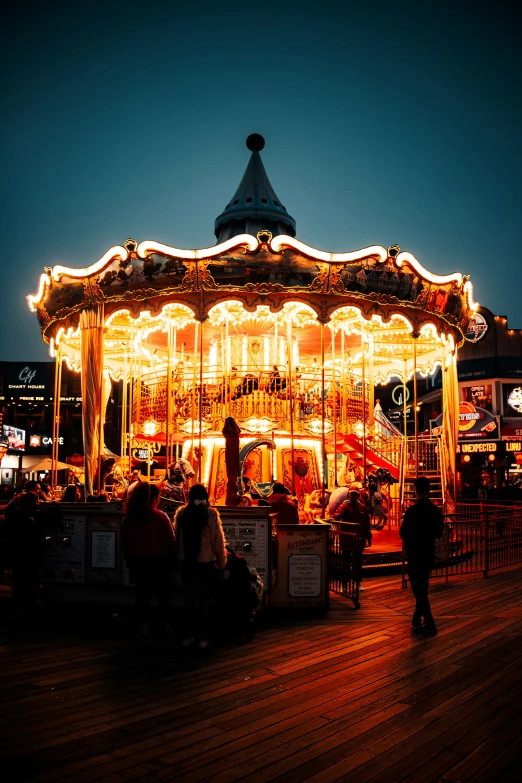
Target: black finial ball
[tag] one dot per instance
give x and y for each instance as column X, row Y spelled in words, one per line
column 255, row 142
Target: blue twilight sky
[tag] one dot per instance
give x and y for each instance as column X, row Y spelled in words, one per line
column 385, row 122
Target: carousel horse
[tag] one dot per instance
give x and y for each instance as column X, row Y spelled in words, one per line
column 249, row 384
column 378, row 502
column 175, row 485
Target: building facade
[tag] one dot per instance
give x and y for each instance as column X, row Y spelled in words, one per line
column 26, row 410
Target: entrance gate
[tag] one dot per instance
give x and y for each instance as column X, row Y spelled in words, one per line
column 345, row 560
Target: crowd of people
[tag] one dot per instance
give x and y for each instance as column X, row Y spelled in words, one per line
column 193, row 550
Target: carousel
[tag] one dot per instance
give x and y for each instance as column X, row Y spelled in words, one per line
column 283, row 344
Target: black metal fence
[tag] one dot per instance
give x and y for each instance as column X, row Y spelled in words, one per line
column 480, row 539
column 346, row 544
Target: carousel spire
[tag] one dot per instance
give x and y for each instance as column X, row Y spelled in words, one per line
column 254, row 206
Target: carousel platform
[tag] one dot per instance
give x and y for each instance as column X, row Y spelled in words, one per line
column 385, row 553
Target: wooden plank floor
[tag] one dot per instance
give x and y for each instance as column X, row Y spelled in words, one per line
column 343, row 696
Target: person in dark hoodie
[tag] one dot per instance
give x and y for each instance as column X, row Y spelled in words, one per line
column 422, row 525
column 285, row 506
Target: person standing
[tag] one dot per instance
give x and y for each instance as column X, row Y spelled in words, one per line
column 422, row 525
column 26, row 538
column 283, row 505
column 354, row 511
column 201, row 549
column 149, row 548
column 71, row 494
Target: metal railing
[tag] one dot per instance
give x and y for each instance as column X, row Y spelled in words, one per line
column 481, row 539
column 430, row 455
column 247, row 390
column 345, row 548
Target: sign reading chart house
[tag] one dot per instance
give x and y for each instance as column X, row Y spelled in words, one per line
column 477, row 328
column 28, row 382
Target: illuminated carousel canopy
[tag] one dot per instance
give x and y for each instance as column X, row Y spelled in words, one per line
column 258, row 298
column 257, row 270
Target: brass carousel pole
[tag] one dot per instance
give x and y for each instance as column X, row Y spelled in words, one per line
column 194, row 380
column 169, row 392
column 371, row 386
column 123, row 409
column 334, row 405
column 323, row 440
column 55, row 413
column 102, row 412
column 227, row 369
column 343, row 399
column 405, row 407
column 174, row 354
column 363, row 379
column 224, row 392
column 200, row 399
column 415, row 407
column 290, row 394
column 130, row 396
column 56, row 418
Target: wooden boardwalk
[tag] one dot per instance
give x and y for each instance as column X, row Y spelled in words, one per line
column 344, row 696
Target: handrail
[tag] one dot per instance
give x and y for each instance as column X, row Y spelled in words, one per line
column 384, row 421
column 478, row 541
column 442, row 467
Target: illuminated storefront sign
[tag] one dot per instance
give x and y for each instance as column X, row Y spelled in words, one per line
column 474, row 423
column 479, row 394
column 27, row 382
column 476, row 448
column 36, row 441
column 513, row 445
column 477, row 328
column 514, row 399
column 15, row 438
column 511, row 432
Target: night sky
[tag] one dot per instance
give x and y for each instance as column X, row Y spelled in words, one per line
column 385, row 122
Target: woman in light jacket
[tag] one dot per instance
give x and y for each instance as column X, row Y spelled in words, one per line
column 201, row 550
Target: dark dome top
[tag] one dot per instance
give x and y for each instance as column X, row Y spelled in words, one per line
column 254, row 206
column 255, row 142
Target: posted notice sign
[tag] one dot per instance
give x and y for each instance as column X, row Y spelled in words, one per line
column 103, row 550
column 304, row 576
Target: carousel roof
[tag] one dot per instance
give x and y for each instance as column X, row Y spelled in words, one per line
column 258, row 271
column 254, row 206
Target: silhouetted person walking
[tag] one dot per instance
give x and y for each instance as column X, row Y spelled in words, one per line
column 421, row 526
